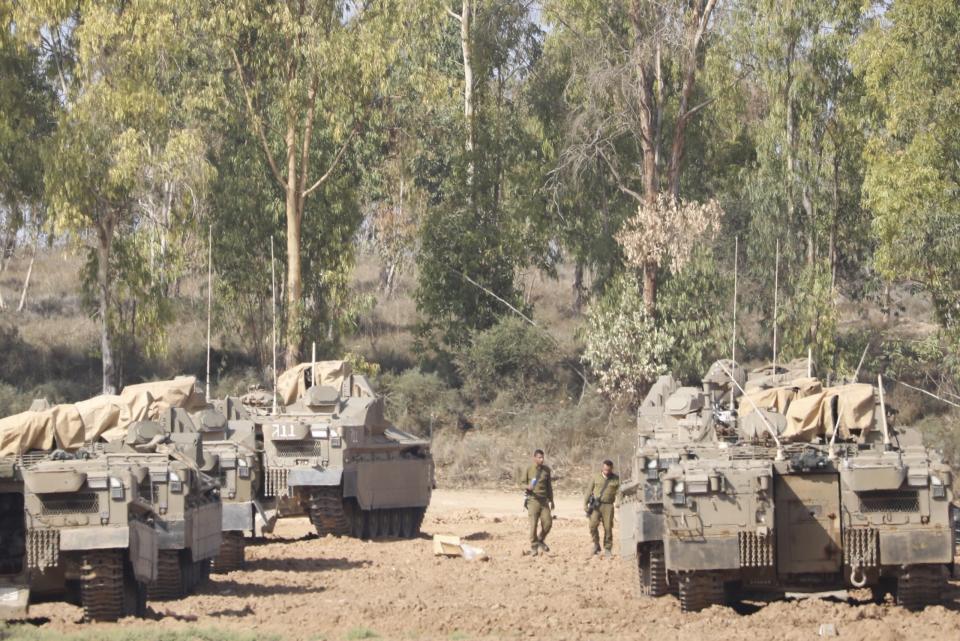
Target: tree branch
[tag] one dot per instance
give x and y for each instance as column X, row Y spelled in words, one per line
column 257, row 126
column 333, row 163
column 616, row 176
column 307, row 134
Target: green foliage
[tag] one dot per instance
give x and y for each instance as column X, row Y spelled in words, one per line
column 361, row 633
column 509, row 356
column 696, row 309
column 912, row 183
column 626, row 349
column 809, row 314
column 420, row 402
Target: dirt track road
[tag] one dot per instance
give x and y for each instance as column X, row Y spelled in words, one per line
column 300, row 587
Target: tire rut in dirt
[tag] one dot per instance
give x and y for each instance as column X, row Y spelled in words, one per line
column 652, row 570
column 920, row 586
column 232, row 554
column 700, row 590
column 102, row 585
column 327, row 513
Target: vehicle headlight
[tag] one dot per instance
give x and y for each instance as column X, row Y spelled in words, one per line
column 116, row 488
column 176, row 483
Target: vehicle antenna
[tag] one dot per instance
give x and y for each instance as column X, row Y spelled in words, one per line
column 209, row 300
column 313, row 365
column 273, row 305
column 836, row 426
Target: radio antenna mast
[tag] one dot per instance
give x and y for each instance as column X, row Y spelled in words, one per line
column 273, row 306
column 776, row 291
column 209, row 300
column 313, row 364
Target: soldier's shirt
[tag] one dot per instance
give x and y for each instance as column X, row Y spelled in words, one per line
column 544, row 487
column 609, row 493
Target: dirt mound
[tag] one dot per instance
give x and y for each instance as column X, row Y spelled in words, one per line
column 303, row 588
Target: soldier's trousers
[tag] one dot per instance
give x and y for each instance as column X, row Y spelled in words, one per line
column 604, row 514
column 539, row 512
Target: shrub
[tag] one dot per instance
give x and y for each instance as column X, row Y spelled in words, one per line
column 511, row 355
column 625, row 349
column 418, row 402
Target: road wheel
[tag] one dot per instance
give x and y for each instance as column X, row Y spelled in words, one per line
column 700, row 590
column 920, row 586
column 652, row 569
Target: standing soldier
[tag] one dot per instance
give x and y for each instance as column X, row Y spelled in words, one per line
column 601, row 494
column 538, row 489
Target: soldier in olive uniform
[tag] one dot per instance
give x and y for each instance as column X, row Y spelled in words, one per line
column 601, row 493
column 537, row 481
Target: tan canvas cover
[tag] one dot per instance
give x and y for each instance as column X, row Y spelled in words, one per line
column 105, row 417
column 804, row 418
column 814, row 415
column 59, row 425
column 856, row 405
column 177, row 392
column 291, row 385
column 781, row 400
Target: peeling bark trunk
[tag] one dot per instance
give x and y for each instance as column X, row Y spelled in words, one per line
column 294, row 212
column 26, row 282
column 578, row 287
column 467, row 50
column 105, row 237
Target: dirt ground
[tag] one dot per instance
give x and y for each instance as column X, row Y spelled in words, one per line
column 300, row 587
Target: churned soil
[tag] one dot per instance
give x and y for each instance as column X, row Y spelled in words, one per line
column 300, row 587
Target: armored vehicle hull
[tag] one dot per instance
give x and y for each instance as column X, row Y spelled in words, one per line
column 725, row 514
column 330, row 454
column 77, row 530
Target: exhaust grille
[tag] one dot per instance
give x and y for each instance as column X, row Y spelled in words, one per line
column 884, row 501
column 755, row 551
column 43, row 549
column 59, row 503
column 860, row 547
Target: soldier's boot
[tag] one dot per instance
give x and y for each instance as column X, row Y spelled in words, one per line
column 544, row 547
column 596, row 549
column 608, row 554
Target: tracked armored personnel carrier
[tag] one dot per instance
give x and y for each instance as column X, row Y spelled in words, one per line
column 791, row 487
column 329, row 453
column 231, row 457
column 186, row 502
column 75, row 528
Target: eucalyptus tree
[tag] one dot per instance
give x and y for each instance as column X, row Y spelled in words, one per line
column 122, row 130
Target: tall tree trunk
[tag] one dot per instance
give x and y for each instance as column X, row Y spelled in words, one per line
column 578, row 286
column 26, row 282
column 294, row 272
column 105, row 237
column 466, row 47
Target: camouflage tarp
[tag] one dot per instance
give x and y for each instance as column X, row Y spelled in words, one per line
column 292, row 384
column 105, row 417
column 779, row 398
column 814, row 415
column 58, row 426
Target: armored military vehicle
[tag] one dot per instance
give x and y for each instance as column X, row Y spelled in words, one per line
column 75, row 528
column 230, row 455
column 790, row 487
column 329, row 453
column 185, row 499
